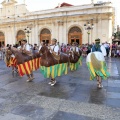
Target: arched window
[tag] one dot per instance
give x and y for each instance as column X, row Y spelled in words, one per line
column 75, row 29
column 20, row 32
column 75, row 35
column 45, row 31
column 20, row 35
column 45, row 35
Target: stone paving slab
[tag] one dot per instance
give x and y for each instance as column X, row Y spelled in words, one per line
column 80, row 108
column 46, row 102
column 69, row 116
column 59, row 91
column 5, row 93
column 115, row 103
column 10, row 116
column 17, row 86
column 113, row 89
column 90, row 110
column 113, row 95
column 33, row 112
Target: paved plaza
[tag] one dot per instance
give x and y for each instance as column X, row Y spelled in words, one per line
column 74, row 97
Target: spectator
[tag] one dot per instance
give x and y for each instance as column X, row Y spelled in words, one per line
column 35, row 49
column 107, row 47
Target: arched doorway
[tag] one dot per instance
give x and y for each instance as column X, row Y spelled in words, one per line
column 45, row 35
column 2, row 39
column 75, row 35
column 20, row 36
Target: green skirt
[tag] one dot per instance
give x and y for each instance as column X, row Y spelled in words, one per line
column 55, row 70
column 74, row 66
column 103, row 73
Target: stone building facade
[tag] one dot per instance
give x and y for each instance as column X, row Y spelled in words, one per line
column 64, row 22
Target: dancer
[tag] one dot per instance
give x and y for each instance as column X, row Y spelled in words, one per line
column 53, row 63
column 96, row 63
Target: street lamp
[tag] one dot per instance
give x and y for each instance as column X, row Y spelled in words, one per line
column 27, row 30
column 89, row 26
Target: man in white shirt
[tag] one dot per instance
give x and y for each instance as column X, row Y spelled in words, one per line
column 25, row 45
column 107, row 47
column 54, row 49
column 27, row 50
column 74, row 49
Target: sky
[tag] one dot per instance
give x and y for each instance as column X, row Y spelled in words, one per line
column 35, row 5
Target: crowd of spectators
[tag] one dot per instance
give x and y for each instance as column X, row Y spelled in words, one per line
column 112, row 50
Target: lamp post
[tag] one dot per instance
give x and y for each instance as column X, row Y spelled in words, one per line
column 89, row 26
column 28, row 31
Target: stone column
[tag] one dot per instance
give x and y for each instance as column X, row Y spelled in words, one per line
column 60, row 31
column 55, row 32
column 110, row 29
column 9, row 35
column 106, row 29
column 36, row 34
column 65, row 34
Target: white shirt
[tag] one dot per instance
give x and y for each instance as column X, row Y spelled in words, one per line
column 19, row 47
column 106, row 45
column 103, row 50
column 55, row 48
column 40, row 47
column 73, row 48
column 27, row 47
